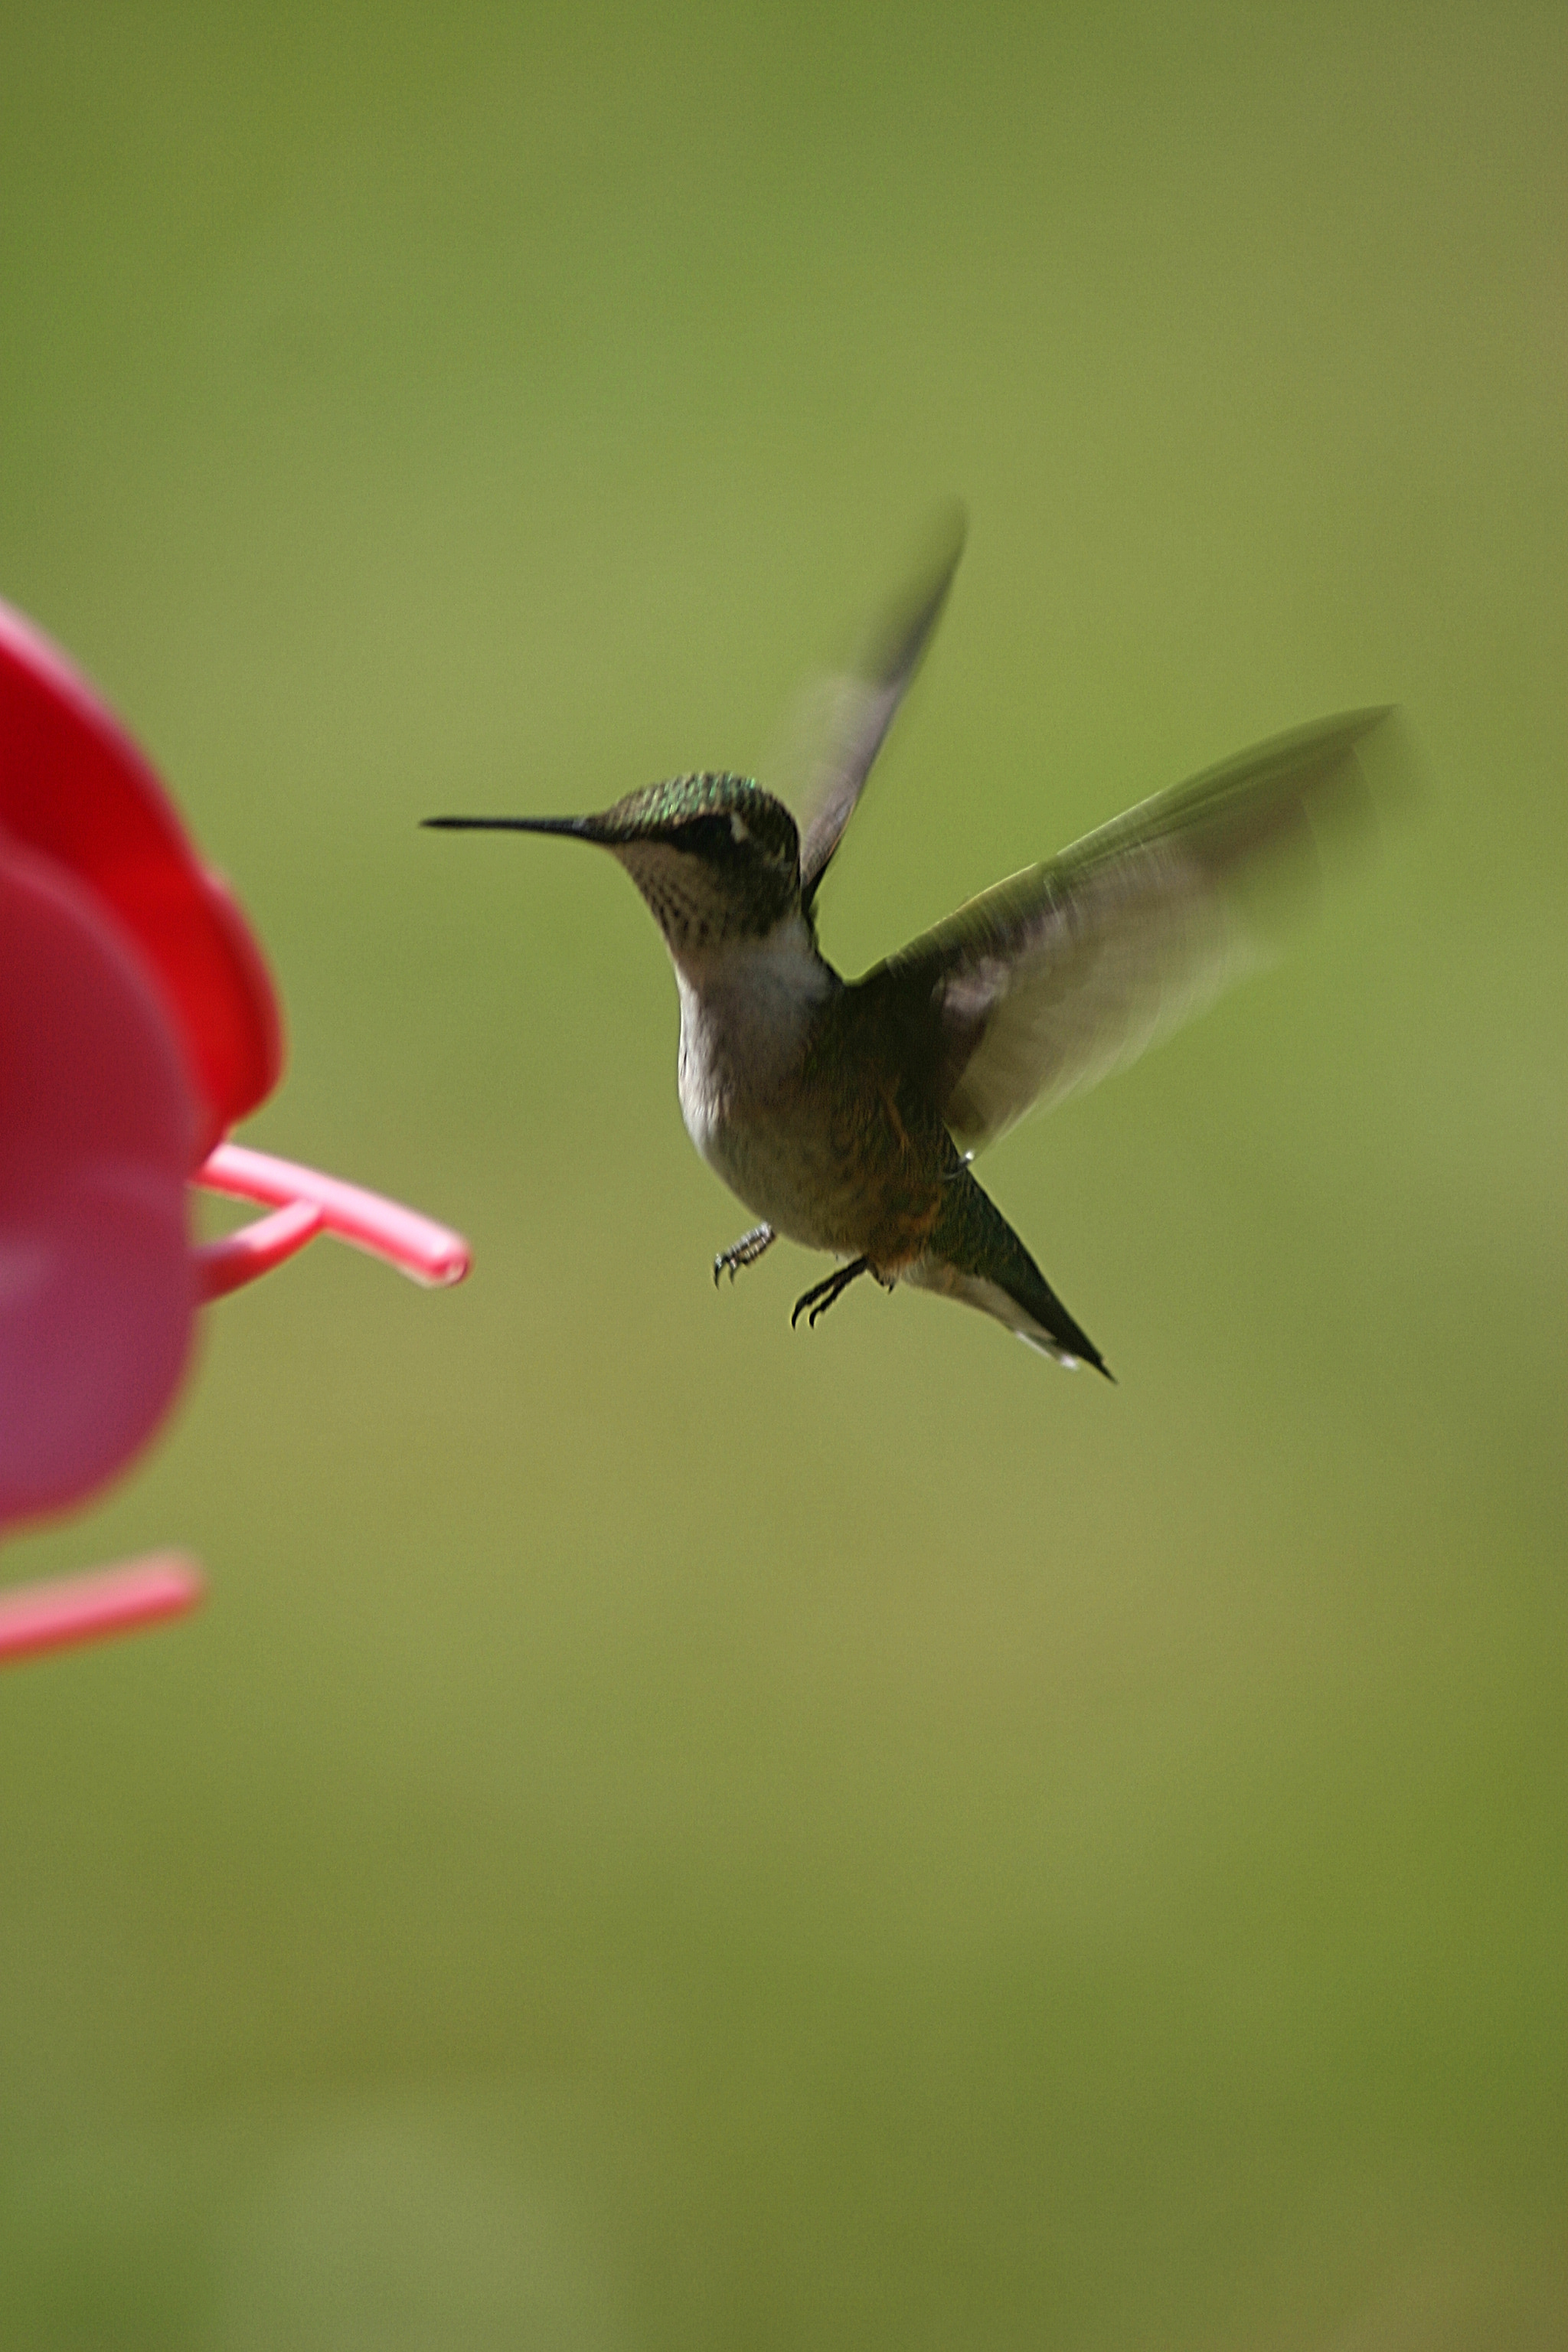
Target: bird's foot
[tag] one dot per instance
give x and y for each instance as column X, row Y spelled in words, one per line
column 745, row 1251
column 821, row 1294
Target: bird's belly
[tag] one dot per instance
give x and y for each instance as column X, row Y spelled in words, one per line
column 823, row 1157
column 785, row 1165
column 772, row 1140
column 818, row 1174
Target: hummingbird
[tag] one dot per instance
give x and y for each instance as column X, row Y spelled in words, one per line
column 846, row 1115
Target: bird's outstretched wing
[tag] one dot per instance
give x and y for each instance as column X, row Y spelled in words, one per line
column 839, row 726
column 1050, row 979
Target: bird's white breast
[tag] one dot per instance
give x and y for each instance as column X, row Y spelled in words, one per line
column 746, row 1011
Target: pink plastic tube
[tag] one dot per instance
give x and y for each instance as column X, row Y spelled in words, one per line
column 34, row 1617
column 229, row 1264
column 417, row 1246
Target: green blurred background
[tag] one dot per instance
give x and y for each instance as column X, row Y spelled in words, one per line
column 671, row 1834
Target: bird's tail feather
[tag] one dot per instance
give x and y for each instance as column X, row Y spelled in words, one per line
column 974, row 1255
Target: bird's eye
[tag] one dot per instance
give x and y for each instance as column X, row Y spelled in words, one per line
column 738, row 829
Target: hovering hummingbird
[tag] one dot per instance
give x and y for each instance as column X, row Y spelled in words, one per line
column 846, row 1115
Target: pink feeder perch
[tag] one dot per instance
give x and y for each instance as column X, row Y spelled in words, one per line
column 138, row 1023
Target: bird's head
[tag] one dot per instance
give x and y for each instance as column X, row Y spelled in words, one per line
column 717, row 858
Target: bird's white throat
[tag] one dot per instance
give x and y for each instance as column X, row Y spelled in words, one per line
column 746, row 1010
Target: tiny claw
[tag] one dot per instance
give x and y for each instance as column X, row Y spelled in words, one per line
column 821, row 1294
column 745, row 1251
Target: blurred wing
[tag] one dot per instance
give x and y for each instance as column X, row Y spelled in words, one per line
column 1055, row 977
column 839, row 728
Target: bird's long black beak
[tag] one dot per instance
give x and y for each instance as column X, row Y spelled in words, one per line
column 580, row 826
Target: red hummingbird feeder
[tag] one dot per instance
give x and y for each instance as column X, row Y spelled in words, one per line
column 138, row 1026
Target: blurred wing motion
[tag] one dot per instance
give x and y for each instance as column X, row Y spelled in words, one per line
column 1050, row 979
column 840, row 727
